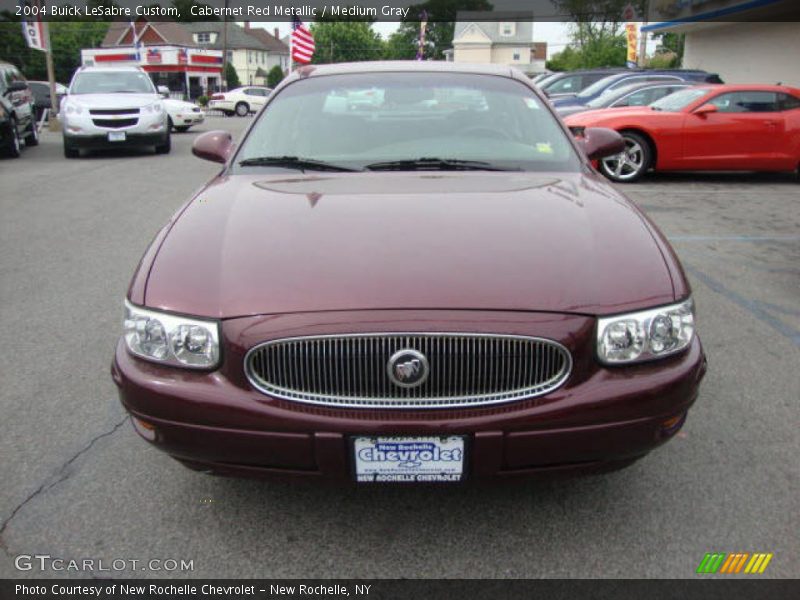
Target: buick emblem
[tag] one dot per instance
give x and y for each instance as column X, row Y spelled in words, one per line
column 408, row 368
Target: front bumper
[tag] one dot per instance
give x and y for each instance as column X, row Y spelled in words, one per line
column 80, row 131
column 185, row 119
column 601, row 419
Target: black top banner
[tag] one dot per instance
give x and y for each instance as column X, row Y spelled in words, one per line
column 404, row 10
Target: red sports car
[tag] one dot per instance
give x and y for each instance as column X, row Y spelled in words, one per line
column 704, row 128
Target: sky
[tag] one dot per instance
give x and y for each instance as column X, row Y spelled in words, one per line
column 555, row 34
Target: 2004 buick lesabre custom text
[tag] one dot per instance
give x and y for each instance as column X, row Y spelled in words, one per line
column 429, row 285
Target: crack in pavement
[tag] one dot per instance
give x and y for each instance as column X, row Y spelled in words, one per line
column 59, row 476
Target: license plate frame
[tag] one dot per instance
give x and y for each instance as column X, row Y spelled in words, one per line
column 116, row 136
column 409, row 459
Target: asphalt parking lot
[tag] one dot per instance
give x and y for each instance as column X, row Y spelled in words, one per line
column 78, row 483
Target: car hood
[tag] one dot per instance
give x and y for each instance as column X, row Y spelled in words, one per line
column 565, row 111
column 570, row 101
column 178, row 105
column 278, row 243
column 589, row 117
column 107, row 101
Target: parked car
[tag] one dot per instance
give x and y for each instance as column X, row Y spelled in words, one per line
column 41, row 96
column 183, row 115
column 704, row 128
column 614, row 82
column 408, row 295
column 111, row 107
column 17, row 112
column 240, row 101
column 635, row 94
column 569, row 83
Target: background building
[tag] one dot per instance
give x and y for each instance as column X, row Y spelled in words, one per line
column 167, row 53
column 758, row 42
column 252, row 52
column 497, row 42
column 187, row 57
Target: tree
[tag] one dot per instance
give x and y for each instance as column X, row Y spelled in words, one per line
column 345, row 41
column 597, row 33
column 275, row 76
column 231, row 77
column 671, row 45
column 67, row 38
column 440, row 29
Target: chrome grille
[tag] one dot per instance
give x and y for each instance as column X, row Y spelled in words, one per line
column 351, row 370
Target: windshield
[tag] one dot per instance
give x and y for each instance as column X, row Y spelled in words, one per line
column 439, row 120
column 112, row 82
column 606, row 99
column 598, row 86
column 679, row 100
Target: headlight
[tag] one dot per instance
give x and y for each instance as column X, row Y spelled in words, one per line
column 645, row 335
column 171, row 339
column 73, row 109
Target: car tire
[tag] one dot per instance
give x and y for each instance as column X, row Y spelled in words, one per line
column 242, row 109
column 166, row 146
column 630, row 165
column 70, row 151
column 32, row 139
column 182, row 129
column 170, row 124
column 14, row 147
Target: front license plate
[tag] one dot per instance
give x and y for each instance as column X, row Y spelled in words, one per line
column 116, row 136
column 409, row 459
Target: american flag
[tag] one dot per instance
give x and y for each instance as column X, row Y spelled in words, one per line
column 302, row 42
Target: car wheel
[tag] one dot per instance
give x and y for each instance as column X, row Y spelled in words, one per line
column 165, row 147
column 70, row 151
column 182, row 129
column 631, row 164
column 13, row 146
column 242, row 109
column 32, row 139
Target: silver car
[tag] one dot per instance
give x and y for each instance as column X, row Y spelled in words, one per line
column 113, row 107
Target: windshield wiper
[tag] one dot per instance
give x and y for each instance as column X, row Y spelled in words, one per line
column 292, row 162
column 433, row 164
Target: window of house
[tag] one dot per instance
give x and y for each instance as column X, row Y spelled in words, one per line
column 518, row 55
column 204, row 37
column 507, row 29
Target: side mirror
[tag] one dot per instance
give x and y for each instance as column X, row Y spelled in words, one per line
column 163, row 91
column 706, row 109
column 599, row 142
column 215, row 146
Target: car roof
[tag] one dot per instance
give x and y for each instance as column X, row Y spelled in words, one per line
column 109, row 68
column 749, row 87
column 407, row 66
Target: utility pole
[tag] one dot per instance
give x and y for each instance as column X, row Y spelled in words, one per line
column 52, row 115
column 643, row 34
column 224, row 82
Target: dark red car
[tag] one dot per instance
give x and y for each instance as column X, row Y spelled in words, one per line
column 434, row 285
column 704, row 128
